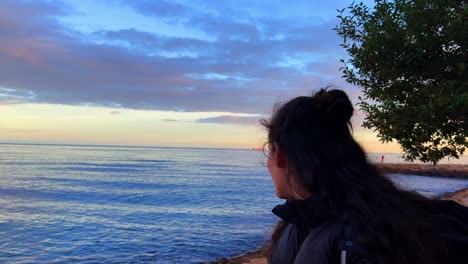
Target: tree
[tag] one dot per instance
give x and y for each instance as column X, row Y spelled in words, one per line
column 410, row 59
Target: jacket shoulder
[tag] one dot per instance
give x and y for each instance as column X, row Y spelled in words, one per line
column 322, row 244
column 288, row 245
column 327, row 244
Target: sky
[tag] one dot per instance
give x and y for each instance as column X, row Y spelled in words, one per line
column 197, row 73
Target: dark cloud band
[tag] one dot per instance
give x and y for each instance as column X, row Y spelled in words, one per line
column 249, row 63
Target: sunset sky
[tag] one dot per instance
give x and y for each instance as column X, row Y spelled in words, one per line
column 162, row 73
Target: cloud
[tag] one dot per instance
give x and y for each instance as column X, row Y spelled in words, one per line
column 114, row 113
column 158, row 8
column 248, row 62
column 153, row 42
column 231, row 119
column 11, row 96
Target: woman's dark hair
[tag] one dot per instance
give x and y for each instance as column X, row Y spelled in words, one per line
column 314, row 134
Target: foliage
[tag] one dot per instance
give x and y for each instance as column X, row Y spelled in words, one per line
column 410, row 59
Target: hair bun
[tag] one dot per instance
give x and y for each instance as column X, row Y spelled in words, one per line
column 336, row 104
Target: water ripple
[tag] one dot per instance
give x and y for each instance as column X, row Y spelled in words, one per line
column 67, row 204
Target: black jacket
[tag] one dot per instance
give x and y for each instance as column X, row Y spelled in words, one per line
column 315, row 235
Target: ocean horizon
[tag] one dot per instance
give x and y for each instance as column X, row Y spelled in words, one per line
column 114, row 204
column 390, row 157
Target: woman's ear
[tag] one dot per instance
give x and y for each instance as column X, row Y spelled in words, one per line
column 280, row 156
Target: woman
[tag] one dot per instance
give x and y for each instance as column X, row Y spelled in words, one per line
column 339, row 208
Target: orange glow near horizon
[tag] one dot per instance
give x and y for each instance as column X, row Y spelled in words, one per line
column 48, row 123
column 62, row 124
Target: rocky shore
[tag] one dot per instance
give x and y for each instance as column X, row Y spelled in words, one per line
column 460, row 196
column 253, row 257
column 441, row 170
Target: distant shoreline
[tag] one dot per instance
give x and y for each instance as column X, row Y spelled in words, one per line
column 440, row 170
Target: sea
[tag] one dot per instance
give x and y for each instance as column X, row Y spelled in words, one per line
column 109, row 204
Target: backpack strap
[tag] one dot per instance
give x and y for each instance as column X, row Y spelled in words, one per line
column 343, row 257
column 348, row 245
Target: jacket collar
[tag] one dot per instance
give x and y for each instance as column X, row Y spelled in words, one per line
column 309, row 212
